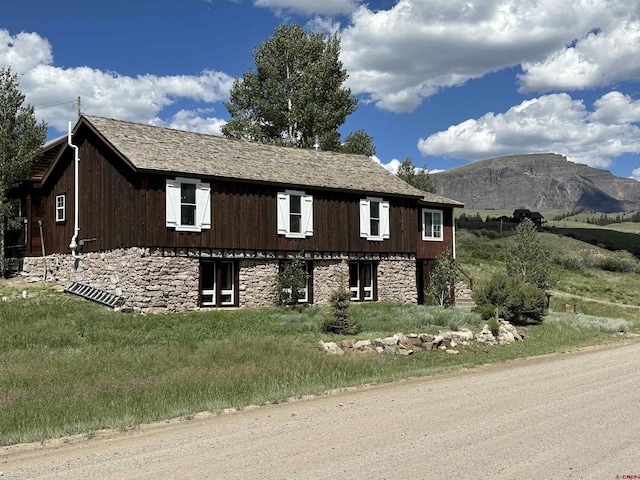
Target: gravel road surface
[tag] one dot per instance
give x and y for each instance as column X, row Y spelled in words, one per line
column 572, row 415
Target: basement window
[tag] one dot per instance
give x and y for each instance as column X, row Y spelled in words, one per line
column 218, row 283
column 363, row 281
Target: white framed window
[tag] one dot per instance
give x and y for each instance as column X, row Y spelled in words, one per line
column 295, row 214
column 218, row 283
column 374, row 219
column 61, row 211
column 362, row 281
column 432, row 225
column 188, row 204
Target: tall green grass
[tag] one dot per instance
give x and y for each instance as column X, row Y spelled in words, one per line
column 70, row 366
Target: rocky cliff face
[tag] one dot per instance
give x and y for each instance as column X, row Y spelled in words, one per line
column 537, row 182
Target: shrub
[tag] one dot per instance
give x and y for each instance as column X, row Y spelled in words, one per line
column 517, row 302
column 291, row 282
column 443, row 279
column 494, row 326
column 621, row 264
column 486, row 312
column 569, row 261
column 338, row 320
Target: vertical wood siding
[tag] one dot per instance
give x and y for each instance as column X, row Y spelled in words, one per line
column 122, row 208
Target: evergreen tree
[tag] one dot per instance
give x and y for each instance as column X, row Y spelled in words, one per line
column 21, row 139
column 416, row 177
column 294, row 94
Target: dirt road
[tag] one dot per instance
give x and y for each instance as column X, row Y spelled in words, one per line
column 572, row 415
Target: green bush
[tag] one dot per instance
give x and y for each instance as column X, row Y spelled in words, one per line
column 486, row 312
column 569, row 262
column 494, row 326
column 620, row 264
column 338, row 320
column 517, row 302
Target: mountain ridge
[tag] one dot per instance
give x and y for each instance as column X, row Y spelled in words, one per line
column 537, row 181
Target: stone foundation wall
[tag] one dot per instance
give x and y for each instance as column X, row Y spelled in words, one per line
column 327, row 275
column 257, row 283
column 397, row 281
column 152, row 282
column 147, row 280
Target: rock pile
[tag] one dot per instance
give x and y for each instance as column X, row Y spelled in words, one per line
column 507, row 333
column 401, row 344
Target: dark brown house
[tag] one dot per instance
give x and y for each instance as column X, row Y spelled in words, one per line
column 536, row 217
column 172, row 219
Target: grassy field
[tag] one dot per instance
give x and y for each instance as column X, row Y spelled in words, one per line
column 70, row 366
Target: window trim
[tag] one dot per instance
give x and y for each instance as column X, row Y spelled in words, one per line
column 365, row 219
column 174, row 205
column 360, row 292
column 284, row 214
column 217, row 292
column 61, row 210
column 439, row 226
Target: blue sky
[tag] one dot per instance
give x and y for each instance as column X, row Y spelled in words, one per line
column 446, row 82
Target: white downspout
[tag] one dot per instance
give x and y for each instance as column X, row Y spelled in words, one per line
column 76, row 229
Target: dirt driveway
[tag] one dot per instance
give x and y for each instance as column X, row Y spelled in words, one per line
column 571, row 415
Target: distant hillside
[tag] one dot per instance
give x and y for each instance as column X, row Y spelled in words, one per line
column 537, row 182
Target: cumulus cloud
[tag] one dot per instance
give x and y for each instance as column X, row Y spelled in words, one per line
column 398, row 57
column 192, row 121
column 602, row 57
column 636, row 174
column 552, row 123
column 23, row 51
column 53, row 90
column 310, row 7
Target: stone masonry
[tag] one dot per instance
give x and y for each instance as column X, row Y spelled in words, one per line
column 150, row 281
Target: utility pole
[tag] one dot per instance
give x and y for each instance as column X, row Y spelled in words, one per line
column 79, row 108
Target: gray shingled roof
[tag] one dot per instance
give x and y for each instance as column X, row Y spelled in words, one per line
column 156, row 149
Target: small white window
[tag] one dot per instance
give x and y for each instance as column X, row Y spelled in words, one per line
column 432, row 225
column 374, row 219
column 61, row 202
column 295, row 214
column 188, row 203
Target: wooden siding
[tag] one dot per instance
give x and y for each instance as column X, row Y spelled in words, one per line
column 122, row 208
column 430, row 249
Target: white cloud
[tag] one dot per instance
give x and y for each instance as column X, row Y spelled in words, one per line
column 636, row 174
column 398, row 57
column 23, row 51
column 310, row 7
column 615, row 108
column 551, row 123
column 103, row 93
column 192, row 121
column 601, row 58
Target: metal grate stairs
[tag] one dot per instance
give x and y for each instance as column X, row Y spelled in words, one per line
column 95, row 294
